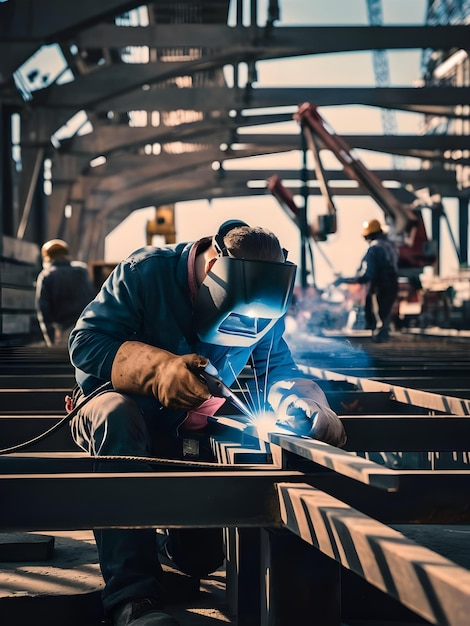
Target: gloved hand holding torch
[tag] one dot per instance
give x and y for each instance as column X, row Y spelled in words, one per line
column 174, row 380
column 302, row 407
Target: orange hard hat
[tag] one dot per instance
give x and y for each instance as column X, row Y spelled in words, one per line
column 54, row 249
column 371, row 227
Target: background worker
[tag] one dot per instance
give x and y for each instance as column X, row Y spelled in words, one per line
column 379, row 272
column 63, row 289
column 159, row 319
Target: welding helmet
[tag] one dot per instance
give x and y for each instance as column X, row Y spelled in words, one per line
column 241, row 299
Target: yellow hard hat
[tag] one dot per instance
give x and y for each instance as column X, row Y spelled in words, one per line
column 371, row 227
column 54, row 249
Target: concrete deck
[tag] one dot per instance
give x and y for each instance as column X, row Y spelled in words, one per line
column 66, row 588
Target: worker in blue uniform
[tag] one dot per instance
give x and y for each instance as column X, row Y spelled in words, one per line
column 378, row 270
column 160, row 318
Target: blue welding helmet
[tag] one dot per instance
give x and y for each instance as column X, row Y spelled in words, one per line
column 240, row 299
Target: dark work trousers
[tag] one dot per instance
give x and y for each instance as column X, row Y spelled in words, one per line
column 113, row 424
column 385, row 300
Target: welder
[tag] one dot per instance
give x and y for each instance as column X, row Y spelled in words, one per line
column 161, row 318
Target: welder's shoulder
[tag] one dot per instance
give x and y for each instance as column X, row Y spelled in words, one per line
column 150, row 254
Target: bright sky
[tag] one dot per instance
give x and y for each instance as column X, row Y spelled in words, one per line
column 343, row 250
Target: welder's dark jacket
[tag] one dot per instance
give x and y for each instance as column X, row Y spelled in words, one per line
column 147, row 299
column 63, row 289
column 378, row 267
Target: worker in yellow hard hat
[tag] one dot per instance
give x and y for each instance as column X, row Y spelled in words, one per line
column 63, row 289
column 54, row 249
column 371, row 228
column 379, row 271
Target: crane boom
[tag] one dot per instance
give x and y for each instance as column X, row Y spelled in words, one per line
column 405, row 221
column 326, row 224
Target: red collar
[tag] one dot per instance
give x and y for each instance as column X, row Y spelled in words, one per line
column 192, row 279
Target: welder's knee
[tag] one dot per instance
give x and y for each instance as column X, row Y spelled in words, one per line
column 111, row 424
column 124, row 430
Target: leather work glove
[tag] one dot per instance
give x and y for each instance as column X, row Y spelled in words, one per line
column 173, row 380
column 302, row 407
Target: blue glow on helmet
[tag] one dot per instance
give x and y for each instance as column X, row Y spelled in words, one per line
column 240, row 300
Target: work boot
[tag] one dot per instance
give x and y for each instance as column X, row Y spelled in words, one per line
column 141, row 612
column 381, row 336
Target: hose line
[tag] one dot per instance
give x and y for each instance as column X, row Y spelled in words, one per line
column 65, row 420
column 147, row 460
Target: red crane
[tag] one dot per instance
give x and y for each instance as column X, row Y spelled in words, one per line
column 406, row 223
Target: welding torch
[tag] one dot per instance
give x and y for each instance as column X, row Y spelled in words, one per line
column 219, row 389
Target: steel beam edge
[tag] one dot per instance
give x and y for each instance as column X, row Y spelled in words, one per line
column 429, row 584
column 141, row 500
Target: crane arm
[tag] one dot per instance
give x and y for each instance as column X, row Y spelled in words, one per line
column 313, row 124
column 326, row 224
column 406, row 221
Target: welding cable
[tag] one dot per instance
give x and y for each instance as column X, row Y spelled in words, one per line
column 67, row 418
column 150, row 460
column 147, row 460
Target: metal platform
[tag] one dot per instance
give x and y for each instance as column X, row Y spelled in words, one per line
column 391, row 397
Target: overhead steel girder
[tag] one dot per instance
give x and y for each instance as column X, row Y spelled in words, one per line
column 242, row 189
column 278, row 42
column 248, row 44
column 126, row 170
column 436, row 100
column 92, row 88
column 147, row 192
column 422, row 146
column 46, row 20
column 204, row 183
column 209, row 191
column 232, row 188
column 81, row 190
column 72, row 164
column 108, row 138
column 121, row 173
column 417, row 178
column 131, row 174
column 67, row 167
column 27, row 24
column 380, row 143
column 158, row 166
column 94, row 190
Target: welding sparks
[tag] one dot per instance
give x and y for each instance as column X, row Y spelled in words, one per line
column 262, row 420
column 265, row 422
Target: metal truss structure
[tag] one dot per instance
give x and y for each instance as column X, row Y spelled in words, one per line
column 141, row 112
